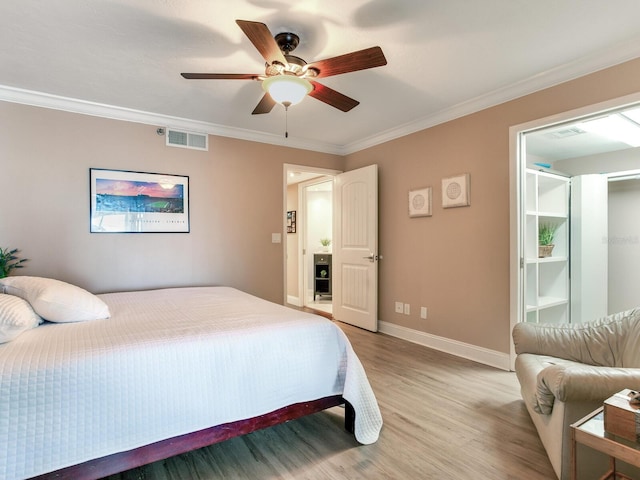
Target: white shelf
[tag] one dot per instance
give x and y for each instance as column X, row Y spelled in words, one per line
column 546, row 279
column 551, row 214
column 552, row 259
column 548, row 302
column 533, row 260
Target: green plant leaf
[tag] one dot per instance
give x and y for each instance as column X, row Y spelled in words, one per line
column 546, row 233
column 9, row 261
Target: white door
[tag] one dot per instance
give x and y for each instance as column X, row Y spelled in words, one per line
column 355, row 249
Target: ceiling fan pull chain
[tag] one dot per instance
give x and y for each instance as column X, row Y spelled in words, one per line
column 286, row 121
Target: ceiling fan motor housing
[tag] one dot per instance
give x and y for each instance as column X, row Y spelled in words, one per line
column 287, row 42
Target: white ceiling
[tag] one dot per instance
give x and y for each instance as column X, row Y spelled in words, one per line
column 446, row 58
column 569, row 141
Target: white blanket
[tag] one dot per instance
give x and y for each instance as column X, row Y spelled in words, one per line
column 167, row 362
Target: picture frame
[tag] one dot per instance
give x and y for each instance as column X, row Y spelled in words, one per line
column 291, row 221
column 455, row 191
column 123, row 201
column 420, row 201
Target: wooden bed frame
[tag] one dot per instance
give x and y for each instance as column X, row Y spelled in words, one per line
column 120, row 462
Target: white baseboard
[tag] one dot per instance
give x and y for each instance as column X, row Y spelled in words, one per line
column 291, row 300
column 453, row 347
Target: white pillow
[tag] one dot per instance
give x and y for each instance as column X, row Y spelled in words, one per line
column 16, row 316
column 56, row 301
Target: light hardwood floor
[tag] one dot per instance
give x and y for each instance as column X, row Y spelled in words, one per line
column 444, row 418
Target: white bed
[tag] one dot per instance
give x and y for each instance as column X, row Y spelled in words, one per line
column 166, row 363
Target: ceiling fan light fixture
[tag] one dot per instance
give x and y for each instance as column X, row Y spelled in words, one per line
column 287, row 89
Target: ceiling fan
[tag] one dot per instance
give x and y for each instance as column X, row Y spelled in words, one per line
column 288, row 79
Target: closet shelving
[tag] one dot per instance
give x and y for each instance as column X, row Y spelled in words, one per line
column 547, row 289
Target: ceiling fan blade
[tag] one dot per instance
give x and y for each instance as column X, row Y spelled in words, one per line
column 265, row 105
column 332, row 97
column 350, row 62
column 220, row 76
column 262, row 39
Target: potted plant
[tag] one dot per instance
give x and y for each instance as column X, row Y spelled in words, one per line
column 325, row 242
column 546, row 232
column 9, row 261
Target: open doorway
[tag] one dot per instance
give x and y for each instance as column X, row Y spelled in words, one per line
column 309, row 219
column 571, row 173
column 354, row 247
column 317, row 206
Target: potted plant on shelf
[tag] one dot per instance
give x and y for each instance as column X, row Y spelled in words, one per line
column 546, row 232
column 325, row 242
column 9, row 261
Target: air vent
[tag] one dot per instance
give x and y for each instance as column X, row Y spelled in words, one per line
column 195, row 141
column 565, row 132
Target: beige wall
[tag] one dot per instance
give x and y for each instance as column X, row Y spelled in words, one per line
column 456, row 262
column 236, row 194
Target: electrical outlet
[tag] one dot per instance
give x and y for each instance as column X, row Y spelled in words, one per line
column 423, row 313
column 399, row 307
column 407, row 309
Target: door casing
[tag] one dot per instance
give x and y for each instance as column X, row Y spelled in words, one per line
column 516, row 209
column 287, row 167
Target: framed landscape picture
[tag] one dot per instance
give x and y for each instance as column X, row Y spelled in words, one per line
column 138, row 202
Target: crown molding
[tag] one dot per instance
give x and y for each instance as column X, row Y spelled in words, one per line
column 55, row 102
column 603, row 59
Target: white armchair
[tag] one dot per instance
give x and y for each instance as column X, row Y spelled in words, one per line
column 566, row 371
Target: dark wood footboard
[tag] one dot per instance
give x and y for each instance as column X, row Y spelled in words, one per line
column 119, row 462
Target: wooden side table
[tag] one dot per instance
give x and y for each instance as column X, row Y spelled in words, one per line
column 590, row 431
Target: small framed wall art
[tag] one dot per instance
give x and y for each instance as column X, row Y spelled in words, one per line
column 291, row 221
column 420, row 202
column 455, row 191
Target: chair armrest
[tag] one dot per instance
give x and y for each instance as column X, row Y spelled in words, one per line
column 581, row 383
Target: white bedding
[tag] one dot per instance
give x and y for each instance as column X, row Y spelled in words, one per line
column 167, row 362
